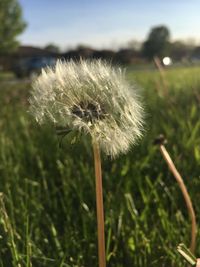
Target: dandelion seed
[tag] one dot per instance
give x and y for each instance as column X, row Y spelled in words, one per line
column 91, row 97
column 94, row 98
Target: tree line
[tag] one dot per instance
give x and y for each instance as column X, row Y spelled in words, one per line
column 158, row 42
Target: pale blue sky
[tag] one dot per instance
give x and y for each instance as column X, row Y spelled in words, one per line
column 106, row 23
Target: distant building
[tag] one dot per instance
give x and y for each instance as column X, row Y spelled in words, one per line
column 127, row 56
column 123, row 56
column 24, row 52
column 82, row 52
column 108, row 55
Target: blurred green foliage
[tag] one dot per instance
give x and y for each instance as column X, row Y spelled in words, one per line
column 11, row 25
column 48, row 214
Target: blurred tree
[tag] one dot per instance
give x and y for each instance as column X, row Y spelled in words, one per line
column 179, row 50
column 196, row 53
column 157, row 43
column 11, row 25
column 104, row 54
column 127, row 56
column 134, row 44
column 52, row 48
column 191, row 43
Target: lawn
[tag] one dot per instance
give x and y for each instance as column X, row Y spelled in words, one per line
column 48, row 213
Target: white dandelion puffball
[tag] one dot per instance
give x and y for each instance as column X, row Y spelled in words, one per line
column 91, row 97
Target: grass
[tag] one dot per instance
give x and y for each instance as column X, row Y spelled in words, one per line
column 48, row 212
column 6, row 76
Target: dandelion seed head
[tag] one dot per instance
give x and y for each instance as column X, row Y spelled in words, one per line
column 91, row 97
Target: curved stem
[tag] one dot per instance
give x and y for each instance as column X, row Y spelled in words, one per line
column 99, row 205
column 185, row 195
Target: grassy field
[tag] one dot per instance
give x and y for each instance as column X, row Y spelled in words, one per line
column 48, row 214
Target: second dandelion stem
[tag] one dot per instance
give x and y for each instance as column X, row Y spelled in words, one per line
column 99, row 204
column 185, row 195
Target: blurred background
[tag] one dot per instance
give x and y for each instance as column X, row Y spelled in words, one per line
column 35, row 33
column 47, row 187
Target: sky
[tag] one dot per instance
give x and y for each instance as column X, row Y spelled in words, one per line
column 106, row 24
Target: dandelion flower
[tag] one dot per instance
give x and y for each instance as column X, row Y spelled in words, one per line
column 91, row 97
column 94, row 98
